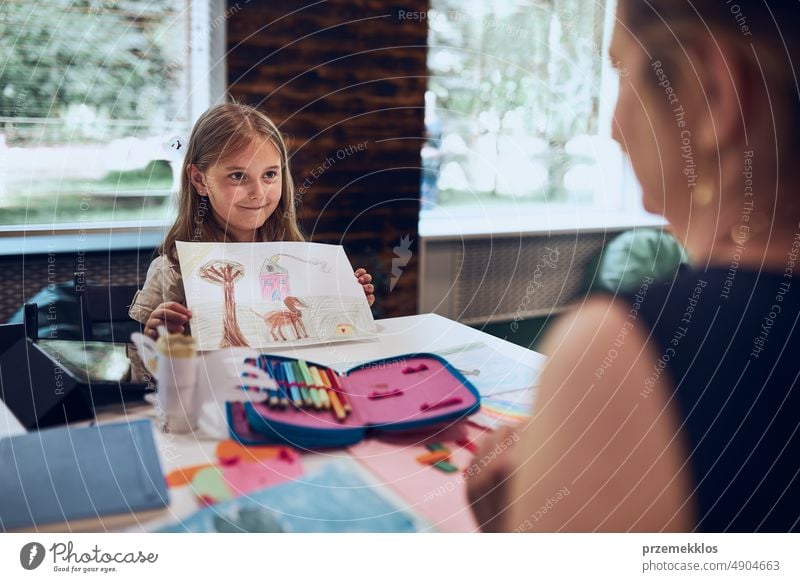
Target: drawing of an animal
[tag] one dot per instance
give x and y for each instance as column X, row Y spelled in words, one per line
column 292, row 315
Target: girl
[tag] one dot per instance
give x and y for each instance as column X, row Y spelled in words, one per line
column 236, row 187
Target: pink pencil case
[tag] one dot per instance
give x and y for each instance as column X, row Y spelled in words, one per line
column 394, row 394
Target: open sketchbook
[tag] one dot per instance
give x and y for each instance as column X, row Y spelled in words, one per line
column 263, row 295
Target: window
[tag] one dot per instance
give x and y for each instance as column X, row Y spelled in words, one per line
column 92, row 94
column 519, row 107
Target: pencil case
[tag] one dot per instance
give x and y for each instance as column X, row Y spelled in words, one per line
column 316, row 407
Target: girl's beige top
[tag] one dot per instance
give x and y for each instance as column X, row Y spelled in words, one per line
column 163, row 284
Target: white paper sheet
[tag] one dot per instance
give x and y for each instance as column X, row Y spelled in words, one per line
column 263, row 295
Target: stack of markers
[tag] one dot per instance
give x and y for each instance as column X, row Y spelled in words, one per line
column 303, row 386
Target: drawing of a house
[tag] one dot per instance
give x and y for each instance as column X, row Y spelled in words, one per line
column 274, row 281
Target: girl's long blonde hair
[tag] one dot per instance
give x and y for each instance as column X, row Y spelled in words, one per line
column 220, row 132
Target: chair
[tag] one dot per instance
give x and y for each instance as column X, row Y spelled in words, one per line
column 631, row 257
column 103, row 310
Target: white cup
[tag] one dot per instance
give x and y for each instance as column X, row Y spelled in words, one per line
column 177, row 385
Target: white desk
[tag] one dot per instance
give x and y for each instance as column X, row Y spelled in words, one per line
column 419, row 333
column 415, row 333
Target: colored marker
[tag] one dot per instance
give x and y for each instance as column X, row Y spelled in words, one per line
column 306, row 372
column 298, row 374
column 277, row 373
column 316, row 376
column 337, row 385
column 315, row 398
column 326, row 401
column 306, row 396
column 324, row 377
column 297, row 399
column 338, row 411
column 291, row 385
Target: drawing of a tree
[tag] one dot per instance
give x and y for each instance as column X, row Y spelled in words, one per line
column 227, row 273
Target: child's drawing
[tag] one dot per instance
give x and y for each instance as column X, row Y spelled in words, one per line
column 226, row 273
column 274, row 294
column 274, row 281
column 292, row 315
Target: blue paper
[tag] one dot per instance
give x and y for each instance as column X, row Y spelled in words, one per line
column 70, row 474
column 331, row 500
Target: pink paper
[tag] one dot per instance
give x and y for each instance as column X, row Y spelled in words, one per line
column 245, row 477
column 440, row 497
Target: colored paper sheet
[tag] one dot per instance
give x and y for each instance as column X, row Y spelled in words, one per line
column 333, row 499
column 229, row 451
column 438, row 496
column 243, row 478
column 504, row 410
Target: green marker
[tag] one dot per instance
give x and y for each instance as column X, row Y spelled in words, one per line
column 306, row 373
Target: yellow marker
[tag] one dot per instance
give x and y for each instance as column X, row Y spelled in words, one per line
column 315, row 376
column 323, row 396
column 337, row 407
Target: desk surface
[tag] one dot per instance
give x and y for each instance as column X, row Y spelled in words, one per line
column 415, row 333
column 419, row 333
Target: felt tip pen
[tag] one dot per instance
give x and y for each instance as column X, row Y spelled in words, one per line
column 338, row 410
column 315, row 398
column 324, row 377
column 337, row 386
column 305, row 372
column 306, row 396
column 297, row 399
column 299, row 377
column 326, row 401
column 277, row 374
column 315, row 375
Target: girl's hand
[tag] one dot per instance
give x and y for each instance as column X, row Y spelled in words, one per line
column 171, row 315
column 366, row 282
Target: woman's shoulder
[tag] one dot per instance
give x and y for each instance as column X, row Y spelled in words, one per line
column 597, row 429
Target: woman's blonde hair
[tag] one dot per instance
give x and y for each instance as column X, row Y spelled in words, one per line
column 762, row 35
column 220, row 132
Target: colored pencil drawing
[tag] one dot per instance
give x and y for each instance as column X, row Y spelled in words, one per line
column 274, row 294
column 227, row 273
column 291, row 316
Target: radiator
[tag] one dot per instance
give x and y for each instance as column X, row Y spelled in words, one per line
column 495, row 279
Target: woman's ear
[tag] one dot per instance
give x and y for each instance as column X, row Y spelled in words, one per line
column 197, row 179
column 721, row 79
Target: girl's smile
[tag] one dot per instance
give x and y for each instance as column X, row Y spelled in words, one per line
column 243, row 189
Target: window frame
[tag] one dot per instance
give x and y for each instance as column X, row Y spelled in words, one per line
column 531, row 218
column 207, row 82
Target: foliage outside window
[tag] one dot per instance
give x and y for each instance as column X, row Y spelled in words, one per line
column 90, row 94
column 513, row 111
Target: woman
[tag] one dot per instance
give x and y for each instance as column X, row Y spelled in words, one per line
column 677, row 408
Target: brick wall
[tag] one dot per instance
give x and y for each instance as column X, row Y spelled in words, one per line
column 345, row 80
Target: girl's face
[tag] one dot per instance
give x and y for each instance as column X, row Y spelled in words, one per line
column 243, row 189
